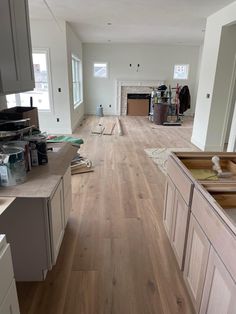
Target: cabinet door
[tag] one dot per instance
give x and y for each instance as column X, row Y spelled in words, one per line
column 179, row 228
column 9, row 63
column 197, row 253
column 169, row 206
column 219, row 294
column 10, row 304
column 56, row 213
column 6, row 270
column 16, row 69
column 24, row 45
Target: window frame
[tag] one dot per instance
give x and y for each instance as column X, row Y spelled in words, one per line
column 80, row 82
column 187, row 71
column 101, row 77
column 46, row 51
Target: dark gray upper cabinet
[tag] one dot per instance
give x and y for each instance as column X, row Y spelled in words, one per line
column 16, row 67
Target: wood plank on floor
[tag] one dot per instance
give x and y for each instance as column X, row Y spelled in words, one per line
column 109, row 126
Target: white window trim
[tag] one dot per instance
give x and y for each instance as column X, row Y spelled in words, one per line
column 50, row 87
column 77, row 104
column 98, row 77
column 187, row 68
column 50, row 90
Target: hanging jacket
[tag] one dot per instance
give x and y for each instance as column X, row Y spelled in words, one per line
column 184, row 99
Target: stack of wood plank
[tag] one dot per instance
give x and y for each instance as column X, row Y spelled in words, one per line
column 81, row 165
column 105, row 126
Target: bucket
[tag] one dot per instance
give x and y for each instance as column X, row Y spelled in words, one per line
column 25, row 146
column 38, row 149
column 12, row 166
column 99, row 111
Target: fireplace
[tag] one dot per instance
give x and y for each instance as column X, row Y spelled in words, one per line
column 138, row 104
column 125, row 87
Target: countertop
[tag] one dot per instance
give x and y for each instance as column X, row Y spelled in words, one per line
column 5, row 202
column 42, row 180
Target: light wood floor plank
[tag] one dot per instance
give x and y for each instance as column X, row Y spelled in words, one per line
column 115, row 257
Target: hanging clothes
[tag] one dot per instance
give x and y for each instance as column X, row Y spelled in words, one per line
column 184, row 99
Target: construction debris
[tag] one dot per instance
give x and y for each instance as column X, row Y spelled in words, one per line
column 80, row 165
column 118, row 123
column 105, row 126
column 109, row 126
column 98, row 129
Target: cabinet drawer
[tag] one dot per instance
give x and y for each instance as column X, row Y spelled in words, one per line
column 181, row 181
column 6, row 269
column 221, row 237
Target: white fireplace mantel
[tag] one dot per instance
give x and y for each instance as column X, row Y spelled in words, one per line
column 123, row 87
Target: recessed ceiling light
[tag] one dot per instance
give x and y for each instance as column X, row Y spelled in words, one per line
column 109, row 23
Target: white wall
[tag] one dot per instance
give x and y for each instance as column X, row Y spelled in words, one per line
column 156, row 63
column 61, row 42
column 74, row 46
column 216, row 69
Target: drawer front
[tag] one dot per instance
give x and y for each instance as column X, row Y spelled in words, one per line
column 181, row 181
column 220, row 236
column 6, row 271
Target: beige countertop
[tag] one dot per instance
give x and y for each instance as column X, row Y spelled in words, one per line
column 41, row 181
column 5, row 202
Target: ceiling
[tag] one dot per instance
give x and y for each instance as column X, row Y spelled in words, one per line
column 132, row 21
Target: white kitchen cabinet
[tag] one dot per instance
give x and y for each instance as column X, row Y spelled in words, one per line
column 197, row 253
column 56, row 214
column 35, row 220
column 16, row 67
column 10, row 304
column 35, row 229
column 219, row 294
column 8, row 295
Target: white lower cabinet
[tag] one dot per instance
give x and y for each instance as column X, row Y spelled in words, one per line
column 219, row 293
column 56, row 214
column 35, row 228
column 8, row 295
column 10, row 304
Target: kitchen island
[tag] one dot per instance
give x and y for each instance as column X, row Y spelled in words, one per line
column 34, row 223
column 200, row 221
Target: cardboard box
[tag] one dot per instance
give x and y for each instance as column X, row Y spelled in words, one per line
column 138, row 107
column 17, row 113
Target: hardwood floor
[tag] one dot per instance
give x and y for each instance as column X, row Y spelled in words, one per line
column 115, row 257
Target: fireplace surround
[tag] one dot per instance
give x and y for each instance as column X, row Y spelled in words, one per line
column 125, row 87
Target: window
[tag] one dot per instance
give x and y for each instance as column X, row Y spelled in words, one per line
column 41, row 92
column 100, row 70
column 181, row 71
column 76, row 75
